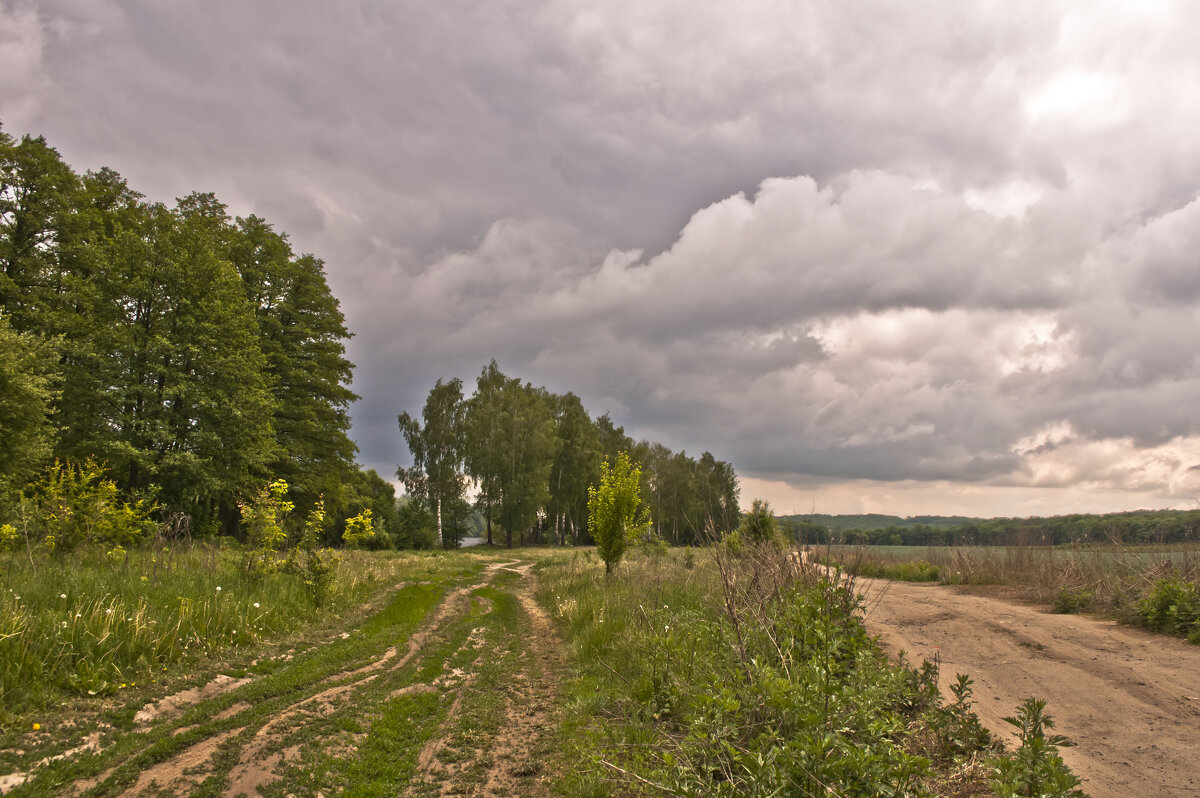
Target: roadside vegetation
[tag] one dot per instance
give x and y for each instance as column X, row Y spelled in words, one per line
column 733, row 670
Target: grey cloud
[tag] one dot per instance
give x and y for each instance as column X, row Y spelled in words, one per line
column 885, row 242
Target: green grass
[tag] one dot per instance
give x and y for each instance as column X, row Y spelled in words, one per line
column 85, row 626
column 728, row 675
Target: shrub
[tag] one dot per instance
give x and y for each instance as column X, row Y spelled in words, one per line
column 1072, row 601
column 359, row 530
column 74, row 505
column 1035, row 769
column 1173, row 606
column 263, row 517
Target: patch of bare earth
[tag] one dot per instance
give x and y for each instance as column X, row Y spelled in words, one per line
column 174, row 705
column 183, row 772
column 1129, row 700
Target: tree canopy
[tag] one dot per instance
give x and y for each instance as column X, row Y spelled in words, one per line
column 197, row 356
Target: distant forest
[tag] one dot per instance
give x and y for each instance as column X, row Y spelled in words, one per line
column 1137, row 527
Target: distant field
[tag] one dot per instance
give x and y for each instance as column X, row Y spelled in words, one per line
column 1154, row 586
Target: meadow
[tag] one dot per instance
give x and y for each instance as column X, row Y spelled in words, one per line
column 723, row 670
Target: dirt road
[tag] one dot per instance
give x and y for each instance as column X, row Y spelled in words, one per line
column 447, row 688
column 1128, row 699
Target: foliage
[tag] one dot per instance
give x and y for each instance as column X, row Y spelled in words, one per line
column 301, row 332
column 438, row 449
column 1173, row 606
column 263, row 518
column 759, row 525
column 360, row 530
column 616, row 515
column 200, row 352
column 1071, row 601
column 1035, row 769
column 418, row 530
column 957, row 729
column 28, row 379
column 74, row 504
column 311, row 561
column 736, row 676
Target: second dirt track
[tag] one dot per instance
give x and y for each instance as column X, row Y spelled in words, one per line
column 1129, row 700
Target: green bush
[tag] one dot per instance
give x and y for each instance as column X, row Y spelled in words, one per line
column 1072, row 601
column 73, row 505
column 1173, row 606
column 1035, row 769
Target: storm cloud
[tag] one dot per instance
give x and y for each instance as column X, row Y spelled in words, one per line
column 930, row 257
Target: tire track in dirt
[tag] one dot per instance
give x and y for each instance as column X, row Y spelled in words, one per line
column 1129, row 700
column 262, row 754
column 511, row 758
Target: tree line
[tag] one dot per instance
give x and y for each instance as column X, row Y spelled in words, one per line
column 530, row 455
column 1127, row 528
column 196, row 355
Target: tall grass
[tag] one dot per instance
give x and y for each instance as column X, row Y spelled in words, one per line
column 87, row 624
column 722, row 673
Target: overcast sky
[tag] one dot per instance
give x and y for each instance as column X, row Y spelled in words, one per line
column 919, row 257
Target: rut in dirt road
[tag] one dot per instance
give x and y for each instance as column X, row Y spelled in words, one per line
column 1129, row 700
column 502, row 750
column 448, row 688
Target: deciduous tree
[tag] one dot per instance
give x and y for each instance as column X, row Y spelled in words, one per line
column 616, row 515
column 436, row 478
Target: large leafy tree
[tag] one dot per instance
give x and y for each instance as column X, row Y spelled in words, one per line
column 185, row 403
column 510, row 449
column 718, row 488
column 39, row 220
column 436, row 479
column 529, row 446
column 576, row 466
column 196, row 355
column 301, row 332
column 484, row 457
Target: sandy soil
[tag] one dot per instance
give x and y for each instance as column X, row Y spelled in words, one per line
column 1129, row 700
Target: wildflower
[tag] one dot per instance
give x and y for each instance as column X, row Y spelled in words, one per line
column 77, row 615
column 62, row 595
column 108, row 611
column 64, row 624
column 256, row 605
column 37, row 726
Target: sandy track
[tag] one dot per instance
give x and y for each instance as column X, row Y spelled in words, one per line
column 1128, row 699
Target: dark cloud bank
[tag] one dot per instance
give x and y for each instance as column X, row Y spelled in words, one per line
column 934, row 257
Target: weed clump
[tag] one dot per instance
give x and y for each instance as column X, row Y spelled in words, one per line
column 1072, row 601
column 1173, row 606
